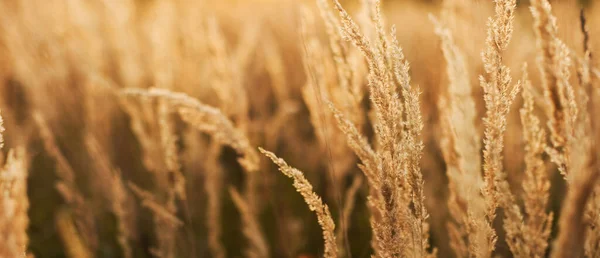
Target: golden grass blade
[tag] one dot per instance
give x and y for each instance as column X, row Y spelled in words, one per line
column 313, row 200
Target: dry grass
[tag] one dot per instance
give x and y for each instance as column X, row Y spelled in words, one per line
column 134, row 128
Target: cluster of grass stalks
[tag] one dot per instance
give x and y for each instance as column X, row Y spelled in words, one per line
column 155, row 128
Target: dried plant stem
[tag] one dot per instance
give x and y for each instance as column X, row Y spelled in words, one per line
column 462, row 155
column 66, row 187
column 155, row 132
column 318, row 88
column 313, row 200
column 67, row 230
column 212, row 121
column 570, row 130
column 258, row 246
column 213, row 184
column 571, row 227
column 115, row 193
column 528, row 237
column 588, row 97
column 14, row 205
column 224, row 133
column 554, row 64
column 164, row 220
column 206, row 119
column 393, row 169
column 349, row 204
column 168, row 137
column 175, row 187
column 120, row 211
column 498, row 97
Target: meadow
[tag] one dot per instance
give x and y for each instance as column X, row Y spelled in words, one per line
column 297, row 129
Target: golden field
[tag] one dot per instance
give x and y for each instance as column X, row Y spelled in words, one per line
column 191, row 128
